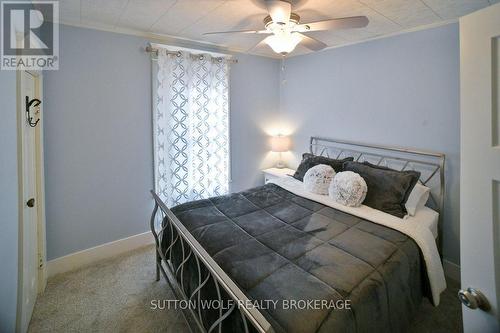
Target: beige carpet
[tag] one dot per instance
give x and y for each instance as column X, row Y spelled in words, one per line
column 115, row 296
column 112, row 296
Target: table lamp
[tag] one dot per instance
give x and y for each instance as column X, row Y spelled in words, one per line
column 279, row 144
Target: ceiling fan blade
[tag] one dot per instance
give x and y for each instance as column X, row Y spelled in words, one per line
column 238, row 32
column 334, row 24
column 311, row 43
column 259, row 44
column 279, row 10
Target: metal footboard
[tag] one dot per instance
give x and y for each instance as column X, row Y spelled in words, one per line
column 209, row 275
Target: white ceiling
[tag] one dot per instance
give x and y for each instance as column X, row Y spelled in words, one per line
column 188, row 19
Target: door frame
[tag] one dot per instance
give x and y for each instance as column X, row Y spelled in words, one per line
column 40, row 190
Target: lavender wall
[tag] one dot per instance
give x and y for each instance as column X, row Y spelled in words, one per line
column 98, row 136
column 402, row 90
column 9, row 218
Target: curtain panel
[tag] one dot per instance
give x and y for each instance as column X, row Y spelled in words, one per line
column 191, row 120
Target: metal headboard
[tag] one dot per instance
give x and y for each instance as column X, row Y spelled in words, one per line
column 429, row 164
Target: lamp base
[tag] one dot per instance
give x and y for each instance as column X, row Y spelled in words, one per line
column 280, row 165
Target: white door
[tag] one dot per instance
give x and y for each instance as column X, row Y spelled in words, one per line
column 480, row 169
column 29, row 229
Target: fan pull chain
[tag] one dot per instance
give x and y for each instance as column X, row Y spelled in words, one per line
column 283, row 79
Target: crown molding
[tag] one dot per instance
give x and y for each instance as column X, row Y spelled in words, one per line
column 212, row 47
column 394, row 34
column 167, row 39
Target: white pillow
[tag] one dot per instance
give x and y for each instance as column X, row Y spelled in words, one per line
column 417, row 199
column 318, row 178
column 348, row 188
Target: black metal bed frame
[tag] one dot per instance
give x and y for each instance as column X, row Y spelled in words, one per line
column 215, row 278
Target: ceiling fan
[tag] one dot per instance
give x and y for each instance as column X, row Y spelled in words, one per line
column 286, row 32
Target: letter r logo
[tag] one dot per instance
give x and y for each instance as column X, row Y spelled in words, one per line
column 24, row 23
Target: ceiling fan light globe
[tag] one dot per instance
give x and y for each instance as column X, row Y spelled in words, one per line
column 283, row 43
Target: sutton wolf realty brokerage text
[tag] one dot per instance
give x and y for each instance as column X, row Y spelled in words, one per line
column 285, row 304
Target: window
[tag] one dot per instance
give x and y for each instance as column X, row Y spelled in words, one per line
column 191, row 126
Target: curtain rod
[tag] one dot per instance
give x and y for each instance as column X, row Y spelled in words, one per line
column 152, row 50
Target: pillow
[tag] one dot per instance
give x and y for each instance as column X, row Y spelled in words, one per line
column 318, row 178
column 310, row 160
column 417, row 199
column 348, row 188
column 388, row 189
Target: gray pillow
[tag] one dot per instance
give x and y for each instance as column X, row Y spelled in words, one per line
column 310, row 160
column 388, row 189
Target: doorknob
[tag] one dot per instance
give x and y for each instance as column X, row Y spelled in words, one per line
column 473, row 299
column 31, row 203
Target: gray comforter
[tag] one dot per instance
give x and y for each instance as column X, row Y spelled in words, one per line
column 279, row 246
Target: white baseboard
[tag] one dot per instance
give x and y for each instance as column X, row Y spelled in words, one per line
column 451, row 270
column 85, row 257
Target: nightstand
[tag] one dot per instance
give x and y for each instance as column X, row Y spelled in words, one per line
column 273, row 173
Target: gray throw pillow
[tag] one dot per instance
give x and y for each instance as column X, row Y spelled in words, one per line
column 310, row 160
column 388, row 189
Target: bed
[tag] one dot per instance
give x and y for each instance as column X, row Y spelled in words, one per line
column 276, row 258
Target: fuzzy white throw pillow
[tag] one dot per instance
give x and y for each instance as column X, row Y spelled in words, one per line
column 348, row 188
column 318, row 178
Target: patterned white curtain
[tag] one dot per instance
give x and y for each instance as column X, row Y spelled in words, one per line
column 191, row 127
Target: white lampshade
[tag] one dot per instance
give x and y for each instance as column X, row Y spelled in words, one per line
column 284, row 42
column 280, row 143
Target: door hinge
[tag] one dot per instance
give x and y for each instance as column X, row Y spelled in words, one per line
column 40, row 261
